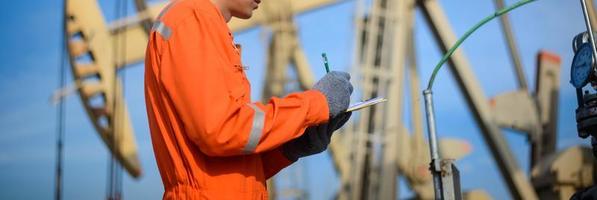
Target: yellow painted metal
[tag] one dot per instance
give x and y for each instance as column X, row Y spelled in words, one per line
column 100, row 94
column 516, row 110
column 284, row 51
column 402, row 153
column 136, row 33
column 547, row 87
column 476, row 195
column 559, row 175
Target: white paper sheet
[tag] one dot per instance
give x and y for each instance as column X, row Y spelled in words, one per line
column 365, row 104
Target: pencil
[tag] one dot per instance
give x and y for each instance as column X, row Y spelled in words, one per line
column 325, row 63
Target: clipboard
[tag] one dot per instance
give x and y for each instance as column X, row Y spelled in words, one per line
column 365, row 104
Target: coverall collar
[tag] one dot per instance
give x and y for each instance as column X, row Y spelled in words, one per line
column 220, row 13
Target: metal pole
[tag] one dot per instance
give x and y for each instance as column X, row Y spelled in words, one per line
column 433, row 149
column 522, row 82
column 589, row 28
column 517, row 183
column 60, row 118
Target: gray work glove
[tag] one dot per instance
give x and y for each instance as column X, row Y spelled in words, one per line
column 337, row 89
column 315, row 139
column 589, row 193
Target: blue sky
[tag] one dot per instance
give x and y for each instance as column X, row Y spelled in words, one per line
column 28, row 76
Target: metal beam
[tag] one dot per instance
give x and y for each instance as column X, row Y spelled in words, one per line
column 516, row 110
column 591, row 11
column 547, row 93
column 99, row 89
column 517, row 182
column 297, row 7
column 359, row 183
column 136, row 34
column 513, row 50
column 398, row 23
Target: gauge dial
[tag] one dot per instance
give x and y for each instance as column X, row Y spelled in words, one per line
column 582, row 66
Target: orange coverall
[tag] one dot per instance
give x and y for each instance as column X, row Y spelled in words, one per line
column 209, row 140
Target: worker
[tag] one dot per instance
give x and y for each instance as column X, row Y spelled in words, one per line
column 209, row 140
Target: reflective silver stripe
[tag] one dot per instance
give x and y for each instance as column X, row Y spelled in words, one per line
column 165, row 10
column 159, row 26
column 256, row 130
column 162, row 29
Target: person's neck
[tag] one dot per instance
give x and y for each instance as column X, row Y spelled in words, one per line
column 225, row 12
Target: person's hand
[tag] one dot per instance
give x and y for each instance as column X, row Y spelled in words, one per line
column 315, row 139
column 337, row 89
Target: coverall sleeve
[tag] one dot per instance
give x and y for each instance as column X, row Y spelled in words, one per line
column 209, row 99
column 273, row 161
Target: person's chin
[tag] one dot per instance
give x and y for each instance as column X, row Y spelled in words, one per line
column 245, row 15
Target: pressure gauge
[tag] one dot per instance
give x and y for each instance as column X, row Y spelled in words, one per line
column 582, row 66
column 579, row 40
